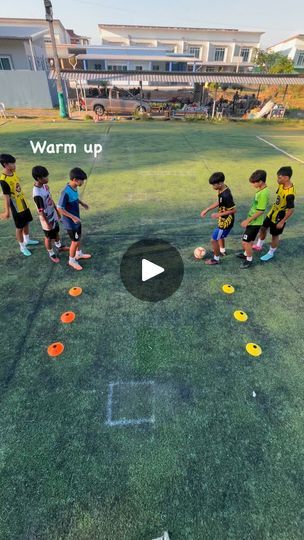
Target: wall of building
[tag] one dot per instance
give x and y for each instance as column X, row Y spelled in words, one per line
column 16, row 52
column 26, row 89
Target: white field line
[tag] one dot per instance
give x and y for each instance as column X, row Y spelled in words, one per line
column 280, row 150
column 128, row 421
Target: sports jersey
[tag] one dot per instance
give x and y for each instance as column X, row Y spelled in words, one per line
column 45, row 206
column 260, row 203
column 285, row 200
column 11, row 186
column 226, row 202
column 69, row 201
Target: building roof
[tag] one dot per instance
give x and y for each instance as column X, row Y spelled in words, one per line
column 10, row 20
column 177, row 28
column 298, row 36
column 139, row 57
column 21, row 32
column 76, row 36
column 190, row 78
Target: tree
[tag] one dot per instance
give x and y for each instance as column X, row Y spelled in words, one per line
column 273, row 62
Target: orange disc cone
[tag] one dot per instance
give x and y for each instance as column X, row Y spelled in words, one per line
column 55, row 349
column 75, row 291
column 68, row 317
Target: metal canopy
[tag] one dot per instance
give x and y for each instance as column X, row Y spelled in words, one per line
column 155, row 77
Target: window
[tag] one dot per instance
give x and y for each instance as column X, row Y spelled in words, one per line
column 155, row 67
column 117, row 68
column 98, row 67
column 196, row 51
column 138, row 68
column 245, row 54
column 219, row 54
column 210, row 69
column 300, row 61
column 5, row 63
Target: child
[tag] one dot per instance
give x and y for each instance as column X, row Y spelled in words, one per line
column 15, row 203
column 47, row 211
column 225, row 216
column 280, row 212
column 254, row 220
column 69, row 208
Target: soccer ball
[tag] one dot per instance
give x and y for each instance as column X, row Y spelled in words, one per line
column 199, row 253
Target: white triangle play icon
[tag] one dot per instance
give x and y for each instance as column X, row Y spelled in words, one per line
column 149, row 270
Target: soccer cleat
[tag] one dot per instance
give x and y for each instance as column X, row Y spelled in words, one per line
column 75, row 265
column 267, row 257
column 32, row 242
column 211, row 262
column 83, row 256
column 246, row 264
column 25, row 251
column 63, row 248
column 54, row 259
column 256, row 247
column 241, row 255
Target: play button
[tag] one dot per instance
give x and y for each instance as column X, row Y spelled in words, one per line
column 152, row 270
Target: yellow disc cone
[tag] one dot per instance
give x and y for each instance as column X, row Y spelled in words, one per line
column 228, row 289
column 253, row 349
column 240, row 316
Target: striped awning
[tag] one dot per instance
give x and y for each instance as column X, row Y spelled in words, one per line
column 155, row 77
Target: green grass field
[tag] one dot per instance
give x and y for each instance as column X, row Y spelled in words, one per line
column 217, row 463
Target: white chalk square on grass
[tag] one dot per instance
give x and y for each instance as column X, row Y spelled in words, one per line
column 130, row 403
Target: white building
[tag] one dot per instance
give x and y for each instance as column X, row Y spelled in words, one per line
column 22, row 48
column 64, row 38
column 211, row 49
column 293, row 48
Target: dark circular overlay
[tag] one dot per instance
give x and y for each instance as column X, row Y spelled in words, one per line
column 157, row 252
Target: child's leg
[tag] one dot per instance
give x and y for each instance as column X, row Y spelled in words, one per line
column 216, row 248
column 222, row 246
column 272, row 249
column 22, row 244
column 73, row 248
column 26, row 236
column 248, row 250
column 80, row 255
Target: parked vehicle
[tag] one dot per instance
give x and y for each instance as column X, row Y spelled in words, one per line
column 115, row 103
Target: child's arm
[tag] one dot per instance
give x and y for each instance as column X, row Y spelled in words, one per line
column 6, row 213
column 288, row 215
column 68, row 215
column 247, row 221
column 212, row 207
column 40, row 207
column 84, row 205
column 223, row 214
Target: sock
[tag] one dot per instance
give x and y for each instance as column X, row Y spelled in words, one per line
column 245, row 253
column 58, row 244
column 216, row 258
column 249, row 259
column 260, row 243
column 72, row 259
column 78, row 253
column 51, row 252
column 26, row 238
column 22, row 245
column 272, row 250
column 222, row 250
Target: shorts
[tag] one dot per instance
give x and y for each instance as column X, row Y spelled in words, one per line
column 53, row 233
column 75, row 234
column 251, row 233
column 220, row 234
column 268, row 224
column 22, row 219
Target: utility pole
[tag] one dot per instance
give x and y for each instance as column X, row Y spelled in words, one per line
column 49, row 18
